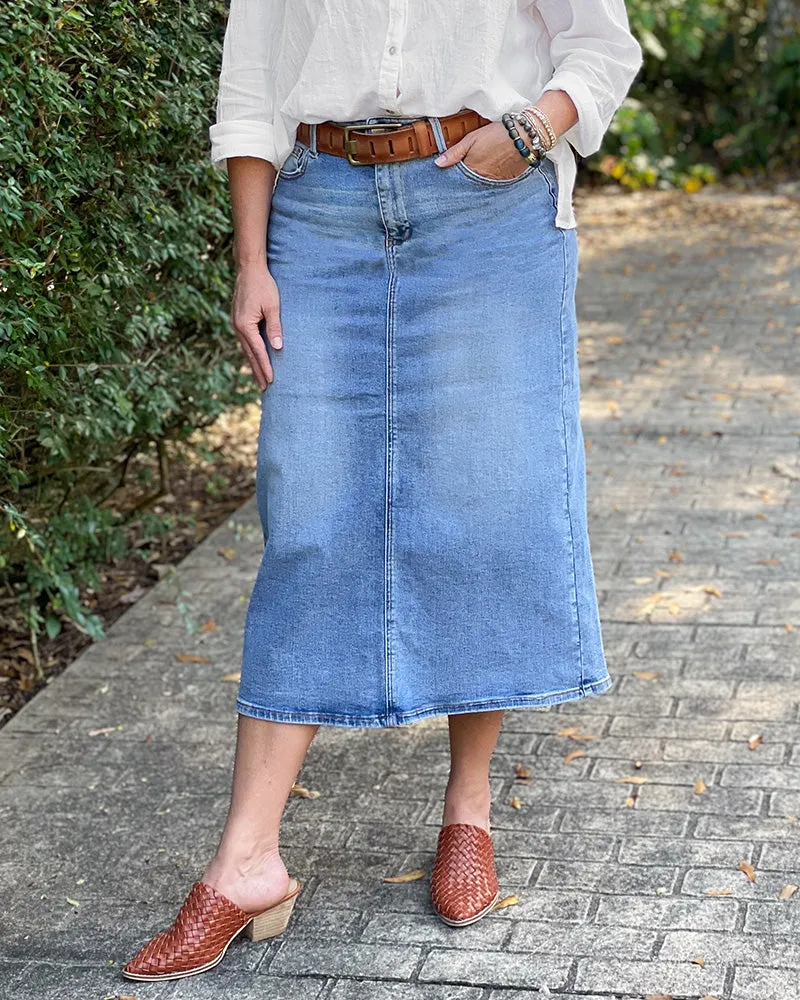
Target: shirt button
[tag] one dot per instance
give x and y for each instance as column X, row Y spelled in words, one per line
column 392, row 49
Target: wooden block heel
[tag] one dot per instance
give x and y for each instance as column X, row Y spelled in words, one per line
column 274, row 920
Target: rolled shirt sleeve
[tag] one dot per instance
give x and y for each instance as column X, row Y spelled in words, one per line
column 595, row 58
column 245, row 106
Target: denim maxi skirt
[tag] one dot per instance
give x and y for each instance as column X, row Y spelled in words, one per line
column 421, row 474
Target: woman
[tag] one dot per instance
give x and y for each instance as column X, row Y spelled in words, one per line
column 421, row 480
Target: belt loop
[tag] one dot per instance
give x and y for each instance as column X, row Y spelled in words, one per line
column 438, row 135
column 312, row 135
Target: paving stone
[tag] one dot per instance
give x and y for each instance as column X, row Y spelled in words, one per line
column 301, row 957
column 665, row 912
column 350, row 989
column 741, row 949
column 764, row 984
column 424, row 929
column 221, row 983
column 605, row 878
column 679, row 978
column 494, row 968
column 581, row 940
column 42, row 980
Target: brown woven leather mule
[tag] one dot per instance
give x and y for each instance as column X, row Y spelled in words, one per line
column 206, row 924
column 464, row 884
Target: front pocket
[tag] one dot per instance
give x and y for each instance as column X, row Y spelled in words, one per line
column 476, row 178
column 296, row 162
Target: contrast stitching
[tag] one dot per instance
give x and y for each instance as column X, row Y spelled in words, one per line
column 426, row 711
column 496, row 182
column 387, row 523
column 390, row 424
column 567, row 483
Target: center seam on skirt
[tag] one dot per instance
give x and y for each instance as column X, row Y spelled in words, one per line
column 389, row 521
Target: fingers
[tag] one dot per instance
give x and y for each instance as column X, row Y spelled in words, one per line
column 254, row 349
column 455, row 152
column 272, row 314
column 255, row 318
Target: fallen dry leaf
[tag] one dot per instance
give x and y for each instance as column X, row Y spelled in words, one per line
column 698, row 961
column 789, row 627
column 768, row 562
column 700, row 787
column 675, row 556
column 658, row 996
column 515, row 802
column 227, row 553
column 569, row 732
column 302, row 792
column 747, row 868
column 209, row 626
column 103, row 732
column 414, row 876
column 573, row 755
column 713, row 591
column 632, row 780
column 785, row 470
column 755, row 741
column 231, row 677
column 191, row 658
column 521, row 771
column 787, row 891
column 647, row 675
column 615, row 340
column 501, row 904
column 719, row 892
column 735, row 534
column 630, row 802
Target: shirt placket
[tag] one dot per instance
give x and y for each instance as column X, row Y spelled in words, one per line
column 388, row 83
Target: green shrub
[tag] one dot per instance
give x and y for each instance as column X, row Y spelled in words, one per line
column 114, row 231
column 719, row 93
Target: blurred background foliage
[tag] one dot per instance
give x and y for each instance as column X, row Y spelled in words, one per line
column 114, row 247
column 719, row 94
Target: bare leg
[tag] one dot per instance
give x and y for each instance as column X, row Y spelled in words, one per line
column 247, row 866
column 473, row 737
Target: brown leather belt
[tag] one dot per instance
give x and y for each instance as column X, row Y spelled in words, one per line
column 391, row 142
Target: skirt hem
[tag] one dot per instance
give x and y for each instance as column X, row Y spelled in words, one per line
column 407, row 718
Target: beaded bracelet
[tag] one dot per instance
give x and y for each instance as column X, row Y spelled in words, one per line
column 536, row 110
column 532, row 155
column 529, row 123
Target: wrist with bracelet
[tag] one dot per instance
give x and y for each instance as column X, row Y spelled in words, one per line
column 538, row 128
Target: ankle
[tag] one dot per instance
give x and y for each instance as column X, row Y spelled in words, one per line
column 467, row 801
column 252, row 878
column 468, row 789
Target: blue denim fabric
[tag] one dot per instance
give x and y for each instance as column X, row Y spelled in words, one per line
column 421, row 477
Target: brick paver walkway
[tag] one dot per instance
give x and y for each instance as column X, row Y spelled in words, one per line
column 625, row 889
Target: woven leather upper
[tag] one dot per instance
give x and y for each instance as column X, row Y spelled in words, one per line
column 463, row 880
column 204, row 925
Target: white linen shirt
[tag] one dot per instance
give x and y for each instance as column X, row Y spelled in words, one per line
column 287, row 61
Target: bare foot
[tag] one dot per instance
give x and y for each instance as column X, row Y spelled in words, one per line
column 253, row 883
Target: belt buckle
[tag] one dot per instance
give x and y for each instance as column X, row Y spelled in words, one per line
column 349, row 144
